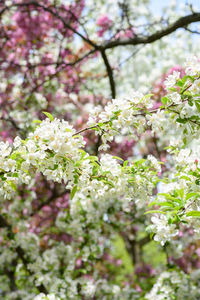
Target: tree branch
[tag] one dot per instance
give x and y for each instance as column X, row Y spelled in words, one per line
column 110, row 73
column 180, row 23
column 55, row 14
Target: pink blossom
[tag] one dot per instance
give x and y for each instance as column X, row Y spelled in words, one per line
column 128, row 33
column 105, row 23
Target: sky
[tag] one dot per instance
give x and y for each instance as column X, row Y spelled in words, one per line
column 158, row 4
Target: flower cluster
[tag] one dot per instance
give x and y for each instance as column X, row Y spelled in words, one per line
column 173, row 285
column 120, row 115
column 77, row 222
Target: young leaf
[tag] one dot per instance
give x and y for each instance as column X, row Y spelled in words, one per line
column 37, row 121
column 164, row 100
column 190, row 195
column 197, row 104
column 154, row 211
column 119, row 158
column 193, row 213
column 179, row 120
column 51, row 118
column 73, row 192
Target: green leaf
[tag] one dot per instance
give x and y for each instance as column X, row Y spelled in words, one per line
column 169, row 197
column 197, row 104
column 147, row 96
column 180, row 83
column 37, row 121
column 181, row 193
column 119, row 158
column 193, row 213
column 51, row 118
column 164, row 100
column 188, row 77
column 125, row 163
column 197, row 181
column 13, row 185
column 15, row 175
column 108, row 182
column 173, row 89
column 190, row 102
column 185, row 177
column 154, row 211
column 151, row 235
column 91, row 158
column 182, row 121
column 164, row 203
column 190, row 195
column 73, row 192
column 184, row 140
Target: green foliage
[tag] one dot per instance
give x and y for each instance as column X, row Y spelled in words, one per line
column 51, row 118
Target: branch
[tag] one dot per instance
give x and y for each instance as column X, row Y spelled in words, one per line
column 55, row 14
column 86, row 128
column 180, row 23
column 144, row 241
column 110, row 73
column 192, row 31
column 134, row 247
column 61, row 68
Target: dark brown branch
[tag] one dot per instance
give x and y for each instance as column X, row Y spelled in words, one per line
column 130, row 56
column 192, row 31
column 11, row 276
column 11, row 121
column 110, row 73
column 144, row 241
column 134, row 247
column 180, row 23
